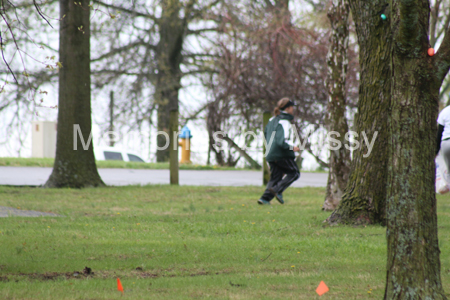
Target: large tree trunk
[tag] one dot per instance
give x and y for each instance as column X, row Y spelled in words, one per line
column 337, row 61
column 413, row 267
column 169, row 57
column 74, row 168
column 364, row 197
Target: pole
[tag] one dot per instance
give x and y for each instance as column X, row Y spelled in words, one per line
column 173, row 146
column 111, row 118
column 265, row 168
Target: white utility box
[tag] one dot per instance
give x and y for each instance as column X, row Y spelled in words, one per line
column 43, row 139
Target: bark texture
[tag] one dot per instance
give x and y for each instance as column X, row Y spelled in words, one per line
column 337, row 61
column 399, row 98
column 364, row 197
column 173, row 148
column 111, row 119
column 74, row 168
column 169, row 56
column 413, row 267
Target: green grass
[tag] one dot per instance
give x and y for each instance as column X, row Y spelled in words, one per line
column 48, row 162
column 167, row 242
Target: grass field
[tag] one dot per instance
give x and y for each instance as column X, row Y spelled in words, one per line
column 168, row 242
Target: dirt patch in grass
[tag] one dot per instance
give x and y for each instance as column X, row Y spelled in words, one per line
column 180, row 273
column 107, row 274
column 46, row 276
column 56, row 275
column 200, row 273
column 213, row 190
column 87, row 272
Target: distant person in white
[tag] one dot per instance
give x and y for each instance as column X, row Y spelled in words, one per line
column 443, row 136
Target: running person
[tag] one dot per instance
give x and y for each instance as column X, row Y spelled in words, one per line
column 443, row 136
column 280, row 153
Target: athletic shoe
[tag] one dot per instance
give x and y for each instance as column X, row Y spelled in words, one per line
column 279, row 198
column 277, row 195
column 263, row 202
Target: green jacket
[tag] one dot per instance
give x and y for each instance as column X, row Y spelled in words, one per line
column 281, row 147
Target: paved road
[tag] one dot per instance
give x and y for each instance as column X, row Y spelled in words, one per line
column 38, row 176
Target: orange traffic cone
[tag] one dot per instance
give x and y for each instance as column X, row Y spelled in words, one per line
column 322, row 288
column 119, row 285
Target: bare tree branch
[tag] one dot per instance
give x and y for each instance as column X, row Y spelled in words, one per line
column 194, row 115
column 129, row 11
column 4, row 59
column 201, row 71
column 319, row 161
column 115, row 51
column 442, row 57
column 198, row 31
column 241, row 151
column 38, row 9
column 196, row 13
column 434, row 17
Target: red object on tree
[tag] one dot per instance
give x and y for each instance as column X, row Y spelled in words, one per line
column 119, row 285
column 431, row 52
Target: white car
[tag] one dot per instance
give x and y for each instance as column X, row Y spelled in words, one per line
column 111, row 153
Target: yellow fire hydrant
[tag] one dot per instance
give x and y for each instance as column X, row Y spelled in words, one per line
column 185, row 144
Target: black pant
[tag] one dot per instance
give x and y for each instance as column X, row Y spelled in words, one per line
column 278, row 169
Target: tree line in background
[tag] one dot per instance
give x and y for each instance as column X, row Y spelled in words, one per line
column 146, row 48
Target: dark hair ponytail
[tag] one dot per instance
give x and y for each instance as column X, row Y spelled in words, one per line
column 280, row 104
column 276, row 111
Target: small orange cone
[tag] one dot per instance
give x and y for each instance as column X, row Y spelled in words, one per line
column 119, row 285
column 322, row 288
